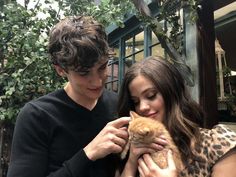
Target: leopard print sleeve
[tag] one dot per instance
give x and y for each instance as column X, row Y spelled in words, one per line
column 222, row 140
column 215, row 143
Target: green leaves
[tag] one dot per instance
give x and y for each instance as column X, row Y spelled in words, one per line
column 25, row 72
column 106, row 11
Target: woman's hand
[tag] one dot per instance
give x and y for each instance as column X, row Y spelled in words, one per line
column 137, row 150
column 148, row 168
column 111, row 139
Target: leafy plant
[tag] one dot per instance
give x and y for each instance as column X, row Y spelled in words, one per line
column 25, row 71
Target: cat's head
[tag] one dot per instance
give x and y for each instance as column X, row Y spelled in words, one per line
column 141, row 129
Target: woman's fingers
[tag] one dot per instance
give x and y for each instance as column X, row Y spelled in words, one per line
column 147, row 167
column 158, row 144
column 161, row 141
column 140, row 170
column 142, row 166
column 171, row 163
column 153, row 146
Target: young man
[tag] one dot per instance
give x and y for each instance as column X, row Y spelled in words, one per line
column 71, row 132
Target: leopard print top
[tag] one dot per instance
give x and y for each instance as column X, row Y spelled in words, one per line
column 216, row 142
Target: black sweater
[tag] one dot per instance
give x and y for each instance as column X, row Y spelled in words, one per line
column 50, row 135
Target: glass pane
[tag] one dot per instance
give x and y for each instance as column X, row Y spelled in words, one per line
column 139, row 40
column 157, row 50
column 115, row 49
column 139, row 56
column 134, row 44
column 129, row 46
column 112, row 79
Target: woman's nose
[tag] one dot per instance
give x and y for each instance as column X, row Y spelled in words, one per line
column 144, row 106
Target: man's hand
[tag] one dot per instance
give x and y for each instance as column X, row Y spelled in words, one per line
column 111, row 139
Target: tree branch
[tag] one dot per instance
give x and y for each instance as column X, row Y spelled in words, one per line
column 178, row 59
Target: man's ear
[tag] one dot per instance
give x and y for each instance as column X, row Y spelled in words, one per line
column 60, row 71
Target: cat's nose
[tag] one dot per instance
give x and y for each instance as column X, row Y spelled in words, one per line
column 145, row 131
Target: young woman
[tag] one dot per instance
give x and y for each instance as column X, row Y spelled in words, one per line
column 71, row 132
column 154, row 88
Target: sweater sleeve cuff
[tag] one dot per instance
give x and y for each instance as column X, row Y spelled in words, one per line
column 79, row 164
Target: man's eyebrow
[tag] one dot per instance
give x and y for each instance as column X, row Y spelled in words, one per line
column 82, row 69
column 105, row 63
column 104, row 60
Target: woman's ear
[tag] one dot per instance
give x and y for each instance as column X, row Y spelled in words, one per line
column 60, row 71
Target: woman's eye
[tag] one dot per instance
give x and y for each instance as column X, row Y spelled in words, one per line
column 152, row 96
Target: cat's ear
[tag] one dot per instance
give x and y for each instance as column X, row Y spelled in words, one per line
column 133, row 115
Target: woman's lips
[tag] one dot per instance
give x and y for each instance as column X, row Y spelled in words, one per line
column 152, row 115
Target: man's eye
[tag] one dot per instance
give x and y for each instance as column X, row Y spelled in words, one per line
column 83, row 73
column 103, row 66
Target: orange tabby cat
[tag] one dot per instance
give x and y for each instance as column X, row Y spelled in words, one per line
column 144, row 130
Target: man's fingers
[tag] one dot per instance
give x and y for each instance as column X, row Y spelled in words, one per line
column 119, row 141
column 123, row 128
column 118, row 123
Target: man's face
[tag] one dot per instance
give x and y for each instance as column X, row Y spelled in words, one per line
column 88, row 84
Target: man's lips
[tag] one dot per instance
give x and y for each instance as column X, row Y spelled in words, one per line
column 95, row 89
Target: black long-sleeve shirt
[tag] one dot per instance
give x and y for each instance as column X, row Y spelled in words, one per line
column 50, row 135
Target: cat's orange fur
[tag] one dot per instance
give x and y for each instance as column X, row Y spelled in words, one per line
column 144, row 130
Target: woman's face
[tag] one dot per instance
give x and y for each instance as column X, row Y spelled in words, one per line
column 147, row 100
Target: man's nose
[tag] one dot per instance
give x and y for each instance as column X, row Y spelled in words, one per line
column 96, row 79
